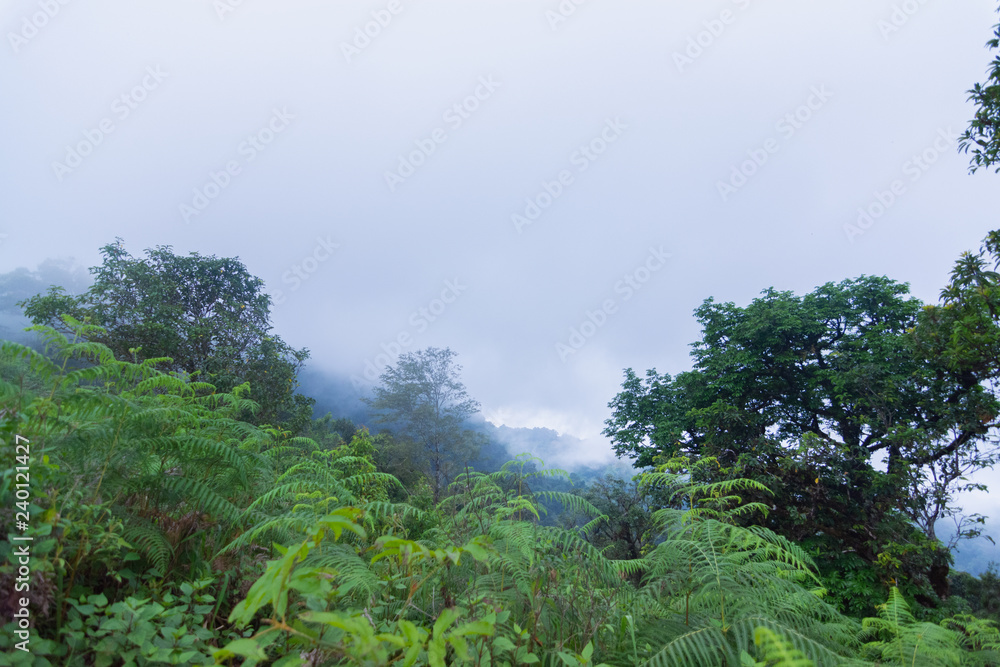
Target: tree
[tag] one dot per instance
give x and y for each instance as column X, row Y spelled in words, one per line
column 209, row 315
column 628, row 532
column 21, row 284
column 405, row 460
column 803, row 392
column 424, row 398
column 982, row 594
column 330, row 433
column 983, row 134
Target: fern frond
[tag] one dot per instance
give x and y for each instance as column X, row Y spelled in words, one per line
column 368, row 478
column 704, row 646
column 38, row 362
column 162, row 383
column 381, row 509
column 149, row 541
column 201, row 496
column 777, row 651
column 570, row 502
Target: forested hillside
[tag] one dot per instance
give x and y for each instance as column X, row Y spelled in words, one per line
column 171, row 494
column 181, row 505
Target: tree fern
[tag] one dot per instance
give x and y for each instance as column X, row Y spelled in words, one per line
column 148, row 446
column 897, row 638
column 721, row 582
column 980, row 639
column 703, row 646
column 199, row 495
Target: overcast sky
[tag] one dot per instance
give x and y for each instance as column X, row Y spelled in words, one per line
column 514, row 168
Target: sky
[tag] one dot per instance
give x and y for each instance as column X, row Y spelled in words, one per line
column 548, row 188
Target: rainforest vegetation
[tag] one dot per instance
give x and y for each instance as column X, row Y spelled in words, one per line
column 182, row 504
column 186, row 508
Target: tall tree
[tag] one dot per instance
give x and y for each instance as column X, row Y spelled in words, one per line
column 209, row 315
column 629, row 530
column 424, row 398
column 803, row 393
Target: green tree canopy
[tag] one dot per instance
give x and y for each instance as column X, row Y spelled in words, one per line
column 424, row 398
column 814, row 394
column 209, row 315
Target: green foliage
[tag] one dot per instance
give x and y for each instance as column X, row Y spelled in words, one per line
column 157, row 506
column 980, row 639
column 319, row 628
column 777, row 651
column 424, row 398
column 982, row 594
column 140, row 631
column 519, row 592
column 714, row 583
column 405, row 459
column 983, row 134
column 309, row 483
column 133, row 470
column 197, row 315
column 627, row 533
column 894, row 637
column 799, row 393
column 168, row 531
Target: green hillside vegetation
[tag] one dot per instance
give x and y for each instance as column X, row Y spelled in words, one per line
column 182, row 504
column 173, row 524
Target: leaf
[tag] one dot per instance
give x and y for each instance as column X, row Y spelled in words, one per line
column 482, row 628
column 436, row 652
column 503, row 644
column 246, row 648
column 444, row 621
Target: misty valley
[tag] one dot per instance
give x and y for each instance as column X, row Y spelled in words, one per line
column 325, row 395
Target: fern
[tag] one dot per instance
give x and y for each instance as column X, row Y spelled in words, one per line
column 151, row 542
column 200, row 495
column 710, row 585
column 704, row 646
column 896, row 637
column 980, row 639
column 776, row 651
column 138, row 442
